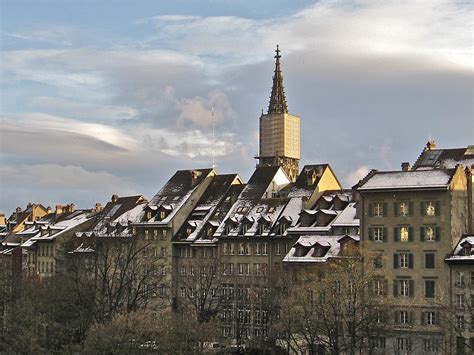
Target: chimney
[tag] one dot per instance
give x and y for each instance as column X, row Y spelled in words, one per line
column 114, row 198
column 29, row 205
column 18, row 210
column 98, row 207
column 405, row 166
column 72, row 207
column 3, row 221
column 431, row 145
column 49, row 209
column 59, row 209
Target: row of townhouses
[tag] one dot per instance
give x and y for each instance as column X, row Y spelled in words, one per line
column 206, row 235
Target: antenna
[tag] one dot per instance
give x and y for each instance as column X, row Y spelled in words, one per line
column 213, row 163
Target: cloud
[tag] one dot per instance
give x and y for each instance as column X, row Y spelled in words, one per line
column 84, row 110
column 65, row 184
column 357, row 175
column 203, row 111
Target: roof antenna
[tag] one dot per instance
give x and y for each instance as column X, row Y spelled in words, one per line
column 213, row 163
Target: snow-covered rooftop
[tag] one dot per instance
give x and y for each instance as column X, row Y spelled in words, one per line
column 413, row 179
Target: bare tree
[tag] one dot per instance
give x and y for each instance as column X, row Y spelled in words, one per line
column 115, row 275
column 333, row 309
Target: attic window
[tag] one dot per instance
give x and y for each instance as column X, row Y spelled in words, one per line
column 209, row 232
column 301, row 250
column 259, row 209
column 271, row 210
column 282, row 228
column 261, row 228
column 189, row 230
column 466, row 249
column 162, row 214
column 320, row 251
column 245, row 228
column 176, row 198
column 148, row 215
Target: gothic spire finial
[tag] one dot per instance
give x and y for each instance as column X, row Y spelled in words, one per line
column 277, row 99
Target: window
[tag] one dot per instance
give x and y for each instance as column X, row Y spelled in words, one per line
column 245, row 228
column 264, row 248
column 231, row 248
column 182, row 270
column 430, row 345
column 189, row 230
column 403, row 343
column 148, row 215
column 430, row 287
column 377, row 209
column 403, row 260
column 225, row 249
column 403, row 317
column 163, row 252
column 146, row 234
column 379, row 342
column 247, row 249
column 378, row 260
column 380, row 287
column 460, row 301
column 459, row 278
column 430, row 233
column 162, row 214
column 378, row 234
column 429, row 260
column 278, row 248
column 430, row 208
column 430, row 318
column 244, row 269
column 241, row 248
column 403, row 288
column 472, row 278
column 404, row 234
column 163, row 234
column 257, row 249
column 403, row 209
column 182, row 291
column 460, row 321
column 155, row 234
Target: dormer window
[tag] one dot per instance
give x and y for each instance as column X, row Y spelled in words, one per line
column 301, row 250
column 466, row 249
column 261, row 228
column 148, row 215
column 320, row 251
column 162, row 215
column 245, row 228
column 189, row 230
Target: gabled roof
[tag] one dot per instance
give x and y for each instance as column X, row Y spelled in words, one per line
column 211, row 199
column 259, row 182
column 413, row 179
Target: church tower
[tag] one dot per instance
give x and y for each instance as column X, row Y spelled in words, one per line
column 279, row 130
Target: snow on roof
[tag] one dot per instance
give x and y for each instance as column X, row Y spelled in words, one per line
column 312, row 242
column 347, row 217
column 457, row 254
column 412, row 179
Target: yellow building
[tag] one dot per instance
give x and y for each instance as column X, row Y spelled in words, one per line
column 279, row 130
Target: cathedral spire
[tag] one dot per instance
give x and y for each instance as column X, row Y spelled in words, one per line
column 277, row 99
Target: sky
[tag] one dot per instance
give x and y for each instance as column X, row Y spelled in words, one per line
column 104, row 97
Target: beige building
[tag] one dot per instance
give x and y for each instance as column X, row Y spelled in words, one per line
column 411, row 220
column 279, row 130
